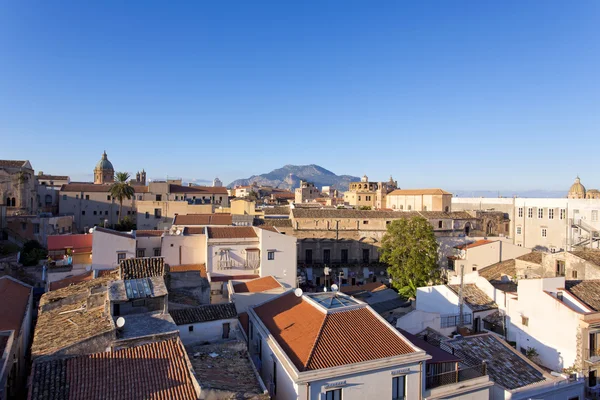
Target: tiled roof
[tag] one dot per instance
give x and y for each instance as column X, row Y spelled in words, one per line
column 206, row 313
column 437, row 355
column 148, row 233
column 276, row 210
column 244, row 321
column 226, row 278
column 586, row 291
column 592, row 256
column 533, row 257
column 76, row 242
column 88, row 276
column 113, row 232
column 416, row 192
column 268, row 228
column 135, row 268
column 14, row 298
column 495, row 318
column 194, row 230
column 65, row 318
column 197, row 189
column 388, row 305
column 312, row 339
column 367, row 287
column 342, row 213
column 505, row 366
column 157, row 370
column 257, row 285
column 494, row 273
column 276, row 222
column 203, row 219
column 446, row 215
column 84, row 187
column 474, row 297
column 108, row 272
column 12, row 163
column 201, row 268
column 231, row 232
column 53, row 177
column 473, row 244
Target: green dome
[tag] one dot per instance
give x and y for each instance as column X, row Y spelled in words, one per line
column 104, row 163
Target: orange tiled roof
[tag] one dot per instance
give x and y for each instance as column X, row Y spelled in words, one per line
column 189, row 267
column 13, row 306
column 148, row 233
column 157, row 370
column 417, row 192
column 257, row 285
column 173, row 188
column 474, row 244
column 88, row 276
column 231, row 232
column 367, row 287
column 76, row 242
column 313, row 339
column 244, row 321
column 203, row 219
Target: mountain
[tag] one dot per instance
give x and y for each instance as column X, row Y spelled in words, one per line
column 289, row 176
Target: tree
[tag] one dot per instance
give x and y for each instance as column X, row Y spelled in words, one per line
column 411, row 252
column 121, row 190
column 32, row 253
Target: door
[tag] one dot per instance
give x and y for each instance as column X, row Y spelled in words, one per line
column 365, row 256
column 476, row 325
column 308, row 256
column 326, row 256
column 344, row 256
column 226, row 330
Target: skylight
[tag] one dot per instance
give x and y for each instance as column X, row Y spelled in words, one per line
column 332, row 300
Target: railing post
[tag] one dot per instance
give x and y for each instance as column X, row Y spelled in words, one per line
column 484, row 367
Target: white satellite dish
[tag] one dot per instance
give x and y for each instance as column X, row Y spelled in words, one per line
column 325, row 289
column 334, row 288
column 120, row 322
column 91, row 230
column 178, row 232
column 88, row 268
column 298, row 292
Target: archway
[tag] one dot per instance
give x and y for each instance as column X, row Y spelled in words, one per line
column 467, row 228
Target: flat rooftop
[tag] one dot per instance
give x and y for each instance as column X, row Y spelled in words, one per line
column 225, row 366
column 155, row 323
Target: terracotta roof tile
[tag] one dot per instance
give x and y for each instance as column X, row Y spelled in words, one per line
column 201, row 268
column 276, row 210
column 135, row 268
column 494, row 272
column 367, row 287
column 88, row 276
column 312, row 339
column 533, row 257
column 203, row 219
column 205, row 313
column 76, row 242
column 53, row 177
column 232, row 232
column 586, row 291
column 276, row 222
column 12, row 163
column 158, row 370
column 475, row 298
column 194, row 230
column 14, row 297
column 257, row 285
column 592, row 256
column 225, row 278
column 417, row 192
column 342, row 213
column 473, row 244
column 268, row 228
column 244, row 321
column 84, row 187
column 148, row 233
column 197, row 189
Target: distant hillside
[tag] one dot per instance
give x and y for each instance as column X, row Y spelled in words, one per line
column 289, row 176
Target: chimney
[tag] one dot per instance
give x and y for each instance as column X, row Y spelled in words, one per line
column 190, row 184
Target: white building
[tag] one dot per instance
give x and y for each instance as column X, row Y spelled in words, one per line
column 249, row 293
column 207, row 323
column 482, row 253
column 110, row 247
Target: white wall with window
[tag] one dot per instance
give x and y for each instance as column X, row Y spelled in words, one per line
column 109, row 247
column 208, row 331
column 278, row 256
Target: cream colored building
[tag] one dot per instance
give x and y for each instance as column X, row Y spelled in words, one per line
column 160, row 214
column 368, row 194
column 17, row 187
column 420, row 200
column 307, row 192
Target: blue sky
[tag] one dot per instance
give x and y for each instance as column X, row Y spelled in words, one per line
column 455, row 94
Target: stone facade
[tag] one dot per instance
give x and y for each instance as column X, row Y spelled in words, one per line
column 368, row 194
column 306, row 192
column 17, row 187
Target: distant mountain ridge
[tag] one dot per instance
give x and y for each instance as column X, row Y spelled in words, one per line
column 289, row 176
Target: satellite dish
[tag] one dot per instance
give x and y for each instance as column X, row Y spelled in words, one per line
column 381, row 273
column 298, row 292
column 88, row 268
column 120, row 322
column 325, row 289
column 334, row 288
column 178, row 232
column 91, row 230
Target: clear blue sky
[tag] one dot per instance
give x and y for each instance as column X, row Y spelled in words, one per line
column 468, row 95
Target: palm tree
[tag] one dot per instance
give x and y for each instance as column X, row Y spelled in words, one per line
column 121, row 190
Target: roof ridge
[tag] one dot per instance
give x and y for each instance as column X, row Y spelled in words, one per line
column 314, row 346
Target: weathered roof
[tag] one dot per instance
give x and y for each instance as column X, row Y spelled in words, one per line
column 14, row 299
column 310, row 337
column 197, row 189
column 592, row 256
column 113, row 232
column 343, row 213
column 496, row 318
column 533, row 257
column 66, row 316
column 87, row 276
column 12, row 163
column 257, row 285
column 276, row 210
column 505, row 366
column 473, row 244
column 203, row 219
column 134, row 268
column 277, row 222
column 474, row 297
column 367, row 287
column 586, row 291
column 148, row 233
column 388, row 305
column 84, row 187
column 417, row 192
column 201, row 268
column 205, row 313
column 194, row 230
column 231, row 232
column 494, row 272
column 437, row 355
column 157, row 370
column 52, row 177
column 77, row 242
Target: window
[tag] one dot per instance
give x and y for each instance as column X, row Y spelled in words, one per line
column 159, row 197
column 399, row 388
column 157, row 213
column 36, row 228
column 270, row 255
column 77, row 196
column 530, row 213
column 574, row 274
column 117, row 212
column 157, row 252
column 424, row 208
column 540, row 213
column 83, row 212
column 176, row 198
column 450, row 264
column 191, row 328
column 87, row 196
column 358, row 198
column 365, row 222
column 147, row 215
column 141, row 253
column 226, row 330
column 402, row 207
column 562, row 213
column 365, row 255
column 120, row 257
column 524, row 320
column 106, row 212
column 518, row 230
column 560, row 268
column 64, row 197
column 592, row 378
column 544, row 232
column 409, row 208
column 140, row 197
column 23, row 226
column 333, row 394
column 520, row 212
column 274, row 378
column 440, row 224
column 594, row 215
column 551, row 213
column 108, row 197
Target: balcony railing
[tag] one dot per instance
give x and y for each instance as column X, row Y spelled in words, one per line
column 592, row 355
column 337, row 262
column 452, row 377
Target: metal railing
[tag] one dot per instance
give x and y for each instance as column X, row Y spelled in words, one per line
column 336, row 262
column 452, row 377
column 448, row 321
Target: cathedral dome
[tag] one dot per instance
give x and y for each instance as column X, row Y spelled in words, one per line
column 104, row 163
column 577, row 190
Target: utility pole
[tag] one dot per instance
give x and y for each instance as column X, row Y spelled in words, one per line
column 461, row 321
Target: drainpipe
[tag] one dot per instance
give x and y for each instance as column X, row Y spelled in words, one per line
column 420, row 380
column 307, row 390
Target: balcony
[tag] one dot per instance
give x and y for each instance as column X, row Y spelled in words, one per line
column 338, row 263
column 457, row 376
column 592, row 355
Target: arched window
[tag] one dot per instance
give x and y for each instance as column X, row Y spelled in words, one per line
column 402, row 207
column 14, row 202
column 447, row 209
column 48, row 199
column 424, row 208
column 409, row 207
column 8, row 202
